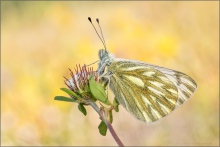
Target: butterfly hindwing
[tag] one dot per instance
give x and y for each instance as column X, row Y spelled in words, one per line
column 185, row 84
column 147, row 91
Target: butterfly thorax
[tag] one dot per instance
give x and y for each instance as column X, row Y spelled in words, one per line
column 105, row 60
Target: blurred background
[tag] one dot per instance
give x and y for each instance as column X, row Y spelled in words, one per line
column 41, row 40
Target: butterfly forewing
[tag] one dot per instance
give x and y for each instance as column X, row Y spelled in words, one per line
column 143, row 90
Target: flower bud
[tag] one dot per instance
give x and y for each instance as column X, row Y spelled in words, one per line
column 79, row 83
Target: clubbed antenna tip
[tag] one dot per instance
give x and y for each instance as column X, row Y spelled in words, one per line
column 89, row 19
column 97, row 20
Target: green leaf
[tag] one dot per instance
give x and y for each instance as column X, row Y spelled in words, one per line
column 115, row 104
column 106, row 84
column 102, row 128
column 70, row 92
column 98, row 91
column 111, row 116
column 63, row 98
column 82, row 109
column 107, row 102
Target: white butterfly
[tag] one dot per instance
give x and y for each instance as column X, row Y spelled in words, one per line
column 147, row 91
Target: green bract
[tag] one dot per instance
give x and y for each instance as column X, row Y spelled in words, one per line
column 102, row 128
column 98, row 91
column 82, row 109
column 70, row 92
column 115, row 104
column 63, row 98
column 110, row 116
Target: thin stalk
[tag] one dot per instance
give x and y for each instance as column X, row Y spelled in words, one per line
column 114, row 135
column 93, row 104
column 108, row 124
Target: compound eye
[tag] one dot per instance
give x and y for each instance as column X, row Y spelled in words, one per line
column 102, row 53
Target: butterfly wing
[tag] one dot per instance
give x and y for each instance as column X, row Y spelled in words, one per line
column 185, row 84
column 147, row 91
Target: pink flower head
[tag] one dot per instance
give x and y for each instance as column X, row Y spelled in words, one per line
column 79, row 82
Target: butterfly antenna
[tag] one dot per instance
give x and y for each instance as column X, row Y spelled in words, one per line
column 96, row 32
column 97, row 20
column 92, row 63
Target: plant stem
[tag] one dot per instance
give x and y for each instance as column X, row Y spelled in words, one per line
column 93, row 104
column 108, row 124
column 114, row 135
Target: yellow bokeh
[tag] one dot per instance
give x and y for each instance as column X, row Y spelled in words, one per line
column 167, row 46
column 41, row 40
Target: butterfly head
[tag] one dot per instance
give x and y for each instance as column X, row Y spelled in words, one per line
column 103, row 53
column 105, row 56
column 105, row 60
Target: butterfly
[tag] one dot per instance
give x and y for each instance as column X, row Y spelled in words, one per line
column 147, row 91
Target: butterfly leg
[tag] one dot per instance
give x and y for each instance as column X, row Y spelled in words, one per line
column 106, row 80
